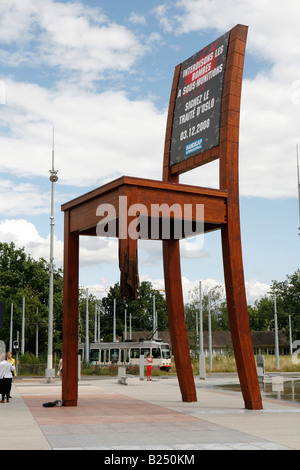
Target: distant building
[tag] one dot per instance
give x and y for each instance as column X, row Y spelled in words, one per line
column 263, row 341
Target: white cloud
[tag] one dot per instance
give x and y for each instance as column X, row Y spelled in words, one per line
column 22, row 198
column 103, row 135
column 189, row 287
column 97, row 136
column 137, row 18
column 270, row 106
column 254, row 289
column 71, row 36
column 273, row 30
column 165, row 19
column 25, row 235
column 16, row 20
column 93, row 251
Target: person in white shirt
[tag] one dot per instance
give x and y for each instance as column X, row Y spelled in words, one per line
column 6, row 373
column 149, row 366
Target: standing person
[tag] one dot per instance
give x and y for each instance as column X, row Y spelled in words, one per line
column 149, row 366
column 6, row 371
column 13, row 362
column 2, row 357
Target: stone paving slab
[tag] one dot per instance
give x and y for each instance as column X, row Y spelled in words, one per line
column 110, row 416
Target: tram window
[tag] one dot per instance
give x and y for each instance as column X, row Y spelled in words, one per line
column 94, row 355
column 127, row 355
column 135, row 353
column 107, row 355
column 145, row 351
column 165, row 351
column 122, row 355
column 102, row 355
column 156, row 353
column 114, row 355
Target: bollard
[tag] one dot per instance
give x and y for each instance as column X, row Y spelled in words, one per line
column 142, row 371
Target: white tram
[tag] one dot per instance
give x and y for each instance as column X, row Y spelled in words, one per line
column 128, row 353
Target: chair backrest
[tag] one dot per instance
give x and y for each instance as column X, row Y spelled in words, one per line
column 204, row 109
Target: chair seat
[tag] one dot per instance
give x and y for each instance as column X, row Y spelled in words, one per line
column 154, row 201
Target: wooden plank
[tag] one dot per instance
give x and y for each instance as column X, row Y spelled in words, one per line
column 174, row 298
column 70, row 316
column 128, row 260
column 84, row 215
column 214, row 207
column 231, row 236
column 83, row 212
column 167, row 175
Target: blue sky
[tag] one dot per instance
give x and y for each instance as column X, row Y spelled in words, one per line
column 100, row 72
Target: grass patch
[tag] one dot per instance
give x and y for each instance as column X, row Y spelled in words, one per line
column 220, row 364
column 227, row 364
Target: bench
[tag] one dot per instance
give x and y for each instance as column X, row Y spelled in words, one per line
column 127, row 379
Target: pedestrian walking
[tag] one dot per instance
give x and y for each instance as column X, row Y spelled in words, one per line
column 6, row 374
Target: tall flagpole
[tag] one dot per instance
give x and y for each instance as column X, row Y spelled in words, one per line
column 298, row 185
column 53, row 178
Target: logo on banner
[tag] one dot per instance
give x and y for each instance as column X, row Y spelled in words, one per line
column 197, row 145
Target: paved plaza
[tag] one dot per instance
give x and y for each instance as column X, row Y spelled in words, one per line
column 148, row 416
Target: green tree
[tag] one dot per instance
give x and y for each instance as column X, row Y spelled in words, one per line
column 218, row 310
column 82, row 306
column 141, row 310
column 261, row 315
column 23, row 277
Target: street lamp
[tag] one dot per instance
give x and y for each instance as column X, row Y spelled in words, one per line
column 276, row 333
column 53, row 178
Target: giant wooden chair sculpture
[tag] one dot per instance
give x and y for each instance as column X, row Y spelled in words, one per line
column 221, row 211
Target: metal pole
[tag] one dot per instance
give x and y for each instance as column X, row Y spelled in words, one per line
column 290, row 329
column 202, row 371
column 53, row 178
column 209, row 334
column 37, row 335
column 154, row 320
column 23, row 328
column 114, row 325
column 130, row 330
column 298, row 185
column 197, row 327
column 11, row 326
column 276, row 333
column 201, row 321
column 99, row 312
column 37, row 340
column 95, row 327
column 17, row 355
column 87, row 341
column 125, row 326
